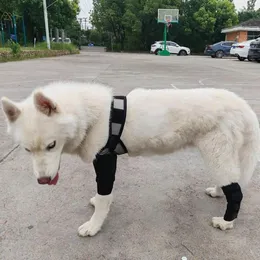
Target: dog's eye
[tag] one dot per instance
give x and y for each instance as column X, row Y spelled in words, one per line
column 51, row 146
column 27, row 150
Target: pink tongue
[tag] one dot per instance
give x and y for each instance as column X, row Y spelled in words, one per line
column 55, row 180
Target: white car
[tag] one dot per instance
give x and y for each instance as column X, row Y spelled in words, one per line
column 172, row 47
column 240, row 50
column 66, row 40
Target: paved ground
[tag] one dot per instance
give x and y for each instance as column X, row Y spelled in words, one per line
column 160, row 210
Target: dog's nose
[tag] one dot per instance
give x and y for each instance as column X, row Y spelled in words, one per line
column 44, row 180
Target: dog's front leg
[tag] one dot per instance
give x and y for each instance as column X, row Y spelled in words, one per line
column 102, row 206
column 105, row 167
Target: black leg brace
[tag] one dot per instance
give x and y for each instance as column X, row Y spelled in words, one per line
column 105, row 167
column 234, row 197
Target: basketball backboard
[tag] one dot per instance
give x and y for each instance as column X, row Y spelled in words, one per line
column 168, row 16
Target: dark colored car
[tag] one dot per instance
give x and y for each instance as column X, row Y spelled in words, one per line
column 254, row 50
column 219, row 49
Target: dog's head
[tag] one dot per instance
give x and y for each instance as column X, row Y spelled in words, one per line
column 40, row 127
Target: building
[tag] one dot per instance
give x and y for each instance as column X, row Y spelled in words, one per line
column 244, row 31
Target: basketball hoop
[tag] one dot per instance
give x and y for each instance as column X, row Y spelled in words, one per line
column 168, row 23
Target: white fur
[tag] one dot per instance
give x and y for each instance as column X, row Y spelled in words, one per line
column 102, row 207
column 219, row 222
column 219, row 123
column 214, row 192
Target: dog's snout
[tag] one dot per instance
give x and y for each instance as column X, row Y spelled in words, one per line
column 44, row 180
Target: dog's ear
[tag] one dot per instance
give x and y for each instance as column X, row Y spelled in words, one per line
column 44, row 104
column 10, row 109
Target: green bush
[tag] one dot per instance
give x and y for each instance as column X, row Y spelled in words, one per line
column 32, row 53
column 15, row 48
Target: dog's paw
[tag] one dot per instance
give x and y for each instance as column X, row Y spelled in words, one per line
column 219, row 222
column 88, row 229
column 92, row 201
column 214, row 192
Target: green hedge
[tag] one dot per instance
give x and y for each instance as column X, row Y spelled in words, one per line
column 32, row 54
column 15, row 52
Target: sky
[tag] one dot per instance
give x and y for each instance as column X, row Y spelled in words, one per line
column 86, row 6
column 241, row 3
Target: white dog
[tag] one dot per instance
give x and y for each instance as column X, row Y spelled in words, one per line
column 74, row 118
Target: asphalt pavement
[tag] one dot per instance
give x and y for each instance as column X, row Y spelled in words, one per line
column 160, row 209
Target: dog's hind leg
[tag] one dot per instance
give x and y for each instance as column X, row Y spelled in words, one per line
column 248, row 157
column 105, row 167
column 220, row 153
column 248, row 153
column 234, row 197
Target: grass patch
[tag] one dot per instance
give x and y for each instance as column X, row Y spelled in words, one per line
column 57, row 46
column 4, row 50
column 15, row 52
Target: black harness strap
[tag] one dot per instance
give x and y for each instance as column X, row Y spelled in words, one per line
column 106, row 159
column 116, row 126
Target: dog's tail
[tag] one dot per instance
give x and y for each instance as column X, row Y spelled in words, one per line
column 249, row 155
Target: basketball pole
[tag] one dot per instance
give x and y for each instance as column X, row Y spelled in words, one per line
column 165, row 36
column 168, row 17
column 165, row 52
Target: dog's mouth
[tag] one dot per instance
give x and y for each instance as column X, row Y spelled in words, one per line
column 49, row 180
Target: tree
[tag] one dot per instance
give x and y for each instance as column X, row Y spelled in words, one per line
column 251, row 5
column 61, row 14
column 246, row 15
column 141, row 21
column 95, row 37
column 107, row 17
column 204, row 19
column 73, row 31
column 7, row 6
column 133, row 23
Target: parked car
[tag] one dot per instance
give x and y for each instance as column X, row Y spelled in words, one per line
column 66, row 40
column 254, row 50
column 172, row 47
column 219, row 49
column 240, row 50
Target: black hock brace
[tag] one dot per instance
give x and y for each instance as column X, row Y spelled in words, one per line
column 234, row 197
column 106, row 159
column 105, row 168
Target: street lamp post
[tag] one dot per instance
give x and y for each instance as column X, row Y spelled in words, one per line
column 46, row 24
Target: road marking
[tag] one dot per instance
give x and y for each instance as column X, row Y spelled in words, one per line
column 201, row 81
column 173, row 86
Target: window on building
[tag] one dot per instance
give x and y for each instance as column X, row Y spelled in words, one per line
column 252, row 35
